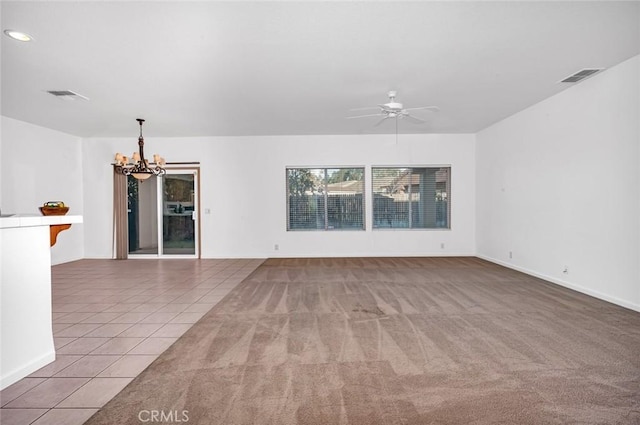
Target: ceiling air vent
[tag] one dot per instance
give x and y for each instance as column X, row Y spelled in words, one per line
column 581, row 75
column 67, row 95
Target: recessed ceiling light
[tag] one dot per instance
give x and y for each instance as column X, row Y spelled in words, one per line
column 17, row 35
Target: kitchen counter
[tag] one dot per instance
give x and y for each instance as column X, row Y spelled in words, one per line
column 26, row 333
column 30, row 220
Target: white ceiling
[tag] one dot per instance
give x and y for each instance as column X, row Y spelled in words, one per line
column 279, row 68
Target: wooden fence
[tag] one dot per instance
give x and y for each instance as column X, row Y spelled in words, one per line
column 346, row 211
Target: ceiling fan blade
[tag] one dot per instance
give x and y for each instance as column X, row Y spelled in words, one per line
column 430, row 108
column 381, row 121
column 413, row 119
column 366, row 108
column 364, row 116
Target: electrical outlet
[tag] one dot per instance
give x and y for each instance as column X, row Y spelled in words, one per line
column 207, row 210
column 442, row 245
column 566, row 270
column 510, row 254
column 276, row 247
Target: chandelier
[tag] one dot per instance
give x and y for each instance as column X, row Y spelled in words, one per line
column 138, row 167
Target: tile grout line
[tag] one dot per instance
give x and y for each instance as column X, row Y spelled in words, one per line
column 185, row 294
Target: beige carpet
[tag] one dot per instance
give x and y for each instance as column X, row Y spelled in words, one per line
column 395, row 341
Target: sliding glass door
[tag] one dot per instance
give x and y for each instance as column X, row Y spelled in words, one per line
column 142, row 216
column 179, row 214
column 163, row 215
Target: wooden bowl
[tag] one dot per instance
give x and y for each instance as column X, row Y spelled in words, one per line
column 54, row 210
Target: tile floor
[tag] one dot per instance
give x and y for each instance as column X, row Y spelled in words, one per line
column 112, row 319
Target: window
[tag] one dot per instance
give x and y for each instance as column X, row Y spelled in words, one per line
column 325, row 198
column 411, row 198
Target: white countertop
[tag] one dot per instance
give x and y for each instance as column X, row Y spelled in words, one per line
column 30, row 220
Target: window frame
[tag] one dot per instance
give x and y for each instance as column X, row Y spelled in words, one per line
column 326, row 194
column 410, row 227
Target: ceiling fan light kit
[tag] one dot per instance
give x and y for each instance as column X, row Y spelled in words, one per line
column 394, row 109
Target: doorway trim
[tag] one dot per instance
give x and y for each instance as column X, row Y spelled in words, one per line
column 172, row 168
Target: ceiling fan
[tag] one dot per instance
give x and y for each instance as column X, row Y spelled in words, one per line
column 394, row 109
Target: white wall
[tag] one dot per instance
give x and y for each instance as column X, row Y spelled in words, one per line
column 558, row 184
column 40, row 165
column 1, row 149
column 243, row 184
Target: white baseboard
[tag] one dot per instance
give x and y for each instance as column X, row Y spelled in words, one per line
column 573, row 286
column 19, row 373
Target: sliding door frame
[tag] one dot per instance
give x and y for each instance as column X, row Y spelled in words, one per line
column 177, row 168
